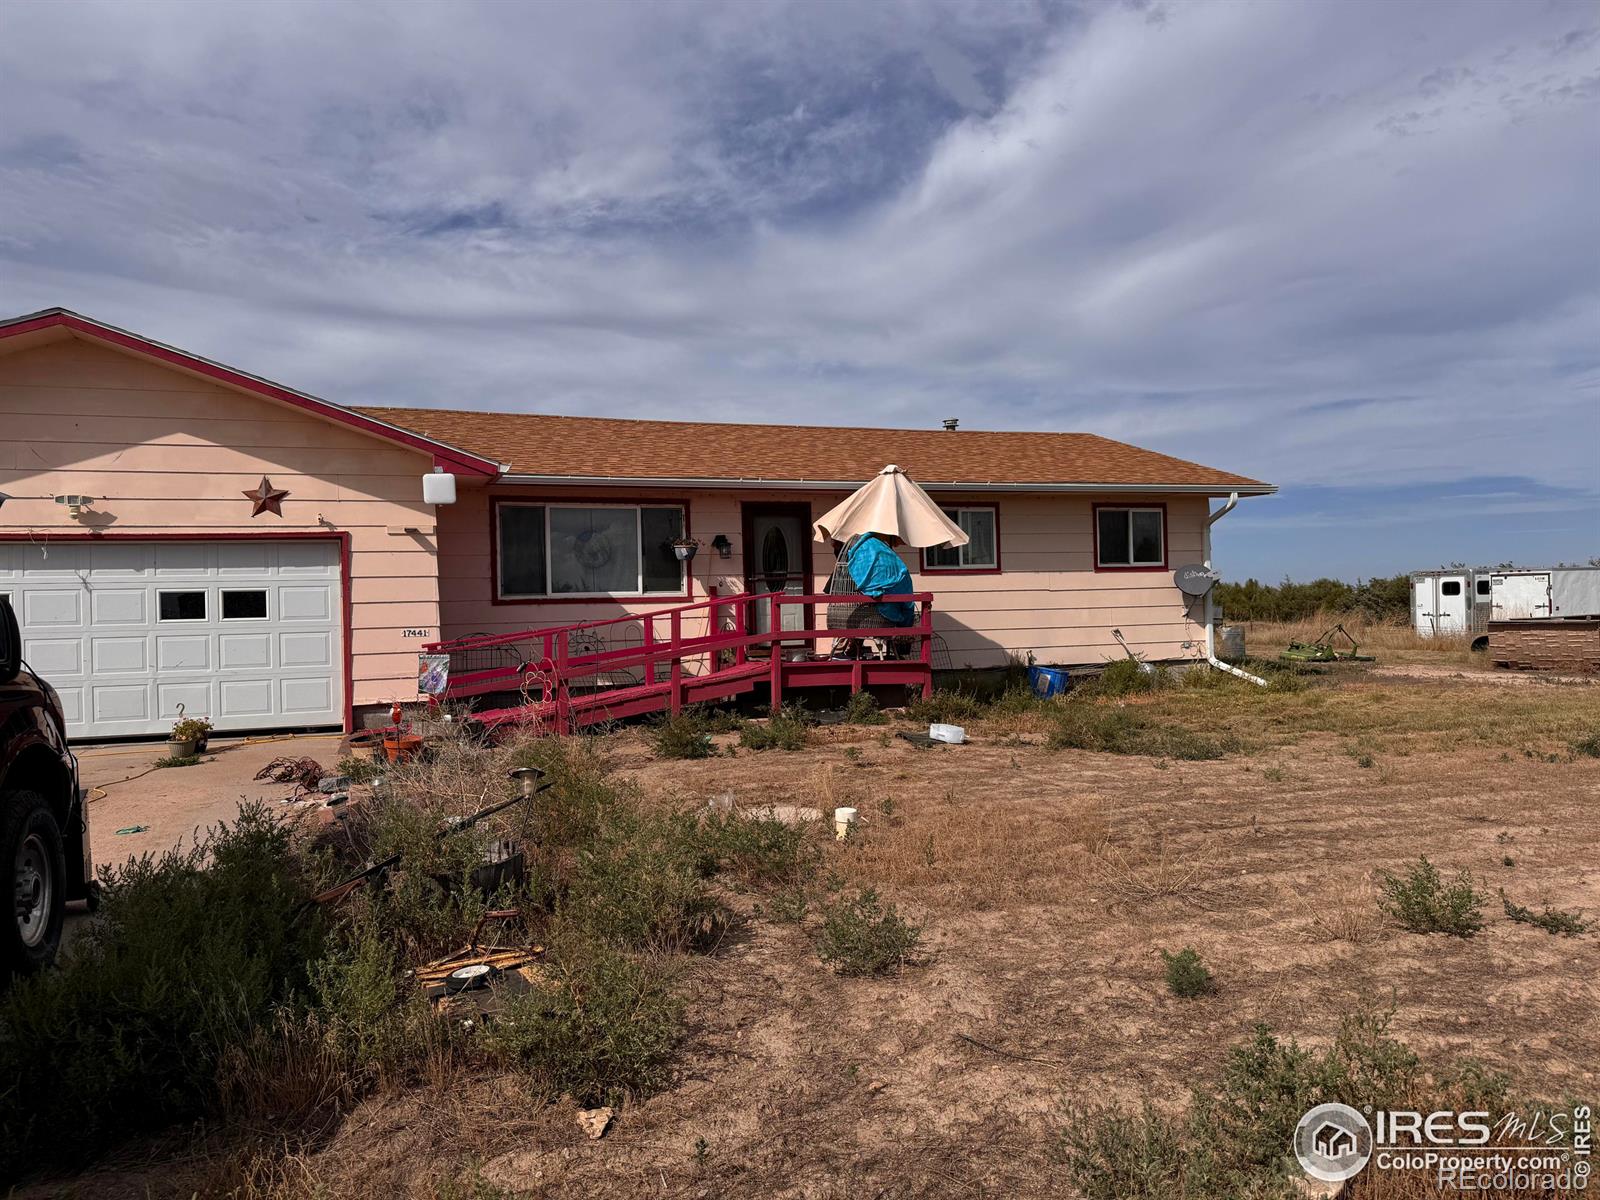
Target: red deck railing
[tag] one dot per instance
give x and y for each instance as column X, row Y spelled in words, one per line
column 570, row 675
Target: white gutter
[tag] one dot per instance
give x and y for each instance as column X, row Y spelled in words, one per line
column 850, row 485
column 1211, row 608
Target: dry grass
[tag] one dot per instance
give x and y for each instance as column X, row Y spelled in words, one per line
column 1394, row 642
column 1047, row 882
column 1139, row 878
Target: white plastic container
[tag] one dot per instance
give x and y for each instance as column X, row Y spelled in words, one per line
column 843, row 818
column 953, row 734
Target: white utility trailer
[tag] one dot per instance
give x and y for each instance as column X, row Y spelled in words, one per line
column 1450, row 603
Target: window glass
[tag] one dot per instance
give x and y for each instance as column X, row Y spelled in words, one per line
column 662, row 570
column 1114, row 545
column 521, row 549
column 182, row 606
column 979, row 552
column 1483, row 587
column 1147, row 546
column 978, row 525
column 594, row 550
column 1450, row 587
column 248, row 605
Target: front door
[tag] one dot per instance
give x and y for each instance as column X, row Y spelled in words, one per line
column 777, row 558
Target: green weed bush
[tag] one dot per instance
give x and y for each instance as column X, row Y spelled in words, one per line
column 861, row 935
column 602, row 1031
column 1187, row 976
column 784, row 730
column 1551, row 920
column 1422, row 902
column 191, row 951
column 862, row 709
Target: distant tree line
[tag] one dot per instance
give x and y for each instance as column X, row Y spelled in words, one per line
column 1375, row 599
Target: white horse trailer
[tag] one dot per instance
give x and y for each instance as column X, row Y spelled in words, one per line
column 1450, row 603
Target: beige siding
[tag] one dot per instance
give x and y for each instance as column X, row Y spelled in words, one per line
column 166, row 452
column 1048, row 599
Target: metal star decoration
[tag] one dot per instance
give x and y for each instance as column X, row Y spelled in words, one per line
column 266, row 498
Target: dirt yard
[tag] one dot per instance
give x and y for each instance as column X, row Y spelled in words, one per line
column 1047, row 882
column 127, row 790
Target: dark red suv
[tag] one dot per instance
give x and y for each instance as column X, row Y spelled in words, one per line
column 44, row 826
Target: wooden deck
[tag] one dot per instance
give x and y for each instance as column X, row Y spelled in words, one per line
column 571, row 676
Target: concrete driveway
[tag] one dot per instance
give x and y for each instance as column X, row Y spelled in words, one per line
column 127, row 790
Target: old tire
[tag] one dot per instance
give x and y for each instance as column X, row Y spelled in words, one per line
column 33, row 876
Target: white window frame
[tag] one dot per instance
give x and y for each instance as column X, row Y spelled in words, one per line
column 1133, row 564
column 222, row 604
column 963, row 564
column 638, row 528
column 205, row 595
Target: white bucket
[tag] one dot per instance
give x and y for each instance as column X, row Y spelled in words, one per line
column 953, row 734
column 843, row 818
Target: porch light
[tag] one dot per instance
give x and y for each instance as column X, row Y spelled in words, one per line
column 722, row 546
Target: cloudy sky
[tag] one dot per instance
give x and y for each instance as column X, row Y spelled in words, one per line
column 1352, row 248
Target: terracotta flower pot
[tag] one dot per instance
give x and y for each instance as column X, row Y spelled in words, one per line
column 403, row 747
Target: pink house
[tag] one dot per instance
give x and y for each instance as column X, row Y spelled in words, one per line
column 178, row 532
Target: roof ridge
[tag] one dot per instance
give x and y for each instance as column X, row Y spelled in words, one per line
column 485, row 412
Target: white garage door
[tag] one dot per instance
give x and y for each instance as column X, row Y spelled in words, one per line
column 245, row 632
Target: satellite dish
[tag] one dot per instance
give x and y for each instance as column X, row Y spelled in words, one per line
column 1196, row 579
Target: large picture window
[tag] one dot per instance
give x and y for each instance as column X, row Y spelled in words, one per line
column 1130, row 537
column 981, row 524
column 578, row 550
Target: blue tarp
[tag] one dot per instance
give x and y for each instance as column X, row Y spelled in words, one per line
column 877, row 570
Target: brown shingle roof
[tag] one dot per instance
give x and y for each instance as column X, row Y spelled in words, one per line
column 607, row 448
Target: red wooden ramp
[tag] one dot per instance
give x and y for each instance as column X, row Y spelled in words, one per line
column 569, row 676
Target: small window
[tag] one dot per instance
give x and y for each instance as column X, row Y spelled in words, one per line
column 1483, row 587
column 982, row 551
column 182, row 606
column 248, row 605
column 1450, row 587
column 1130, row 537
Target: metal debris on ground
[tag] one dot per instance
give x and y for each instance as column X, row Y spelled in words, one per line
column 307, row 772
column 1324, row 651
column 134, row 829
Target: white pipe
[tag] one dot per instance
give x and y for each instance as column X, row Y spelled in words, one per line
column 1211, row 609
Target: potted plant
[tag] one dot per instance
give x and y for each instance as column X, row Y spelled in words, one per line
column 188, row 736
column 684, row 547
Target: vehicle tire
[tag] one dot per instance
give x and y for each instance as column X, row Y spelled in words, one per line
column 33, row 876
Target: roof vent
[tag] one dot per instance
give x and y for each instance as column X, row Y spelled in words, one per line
column 950, row 423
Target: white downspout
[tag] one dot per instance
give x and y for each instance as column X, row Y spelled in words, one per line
column 1211, row 610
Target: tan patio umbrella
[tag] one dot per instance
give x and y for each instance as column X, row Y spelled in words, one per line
column 891, row 503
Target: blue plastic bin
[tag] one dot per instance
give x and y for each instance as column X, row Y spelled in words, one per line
column 1048, row 681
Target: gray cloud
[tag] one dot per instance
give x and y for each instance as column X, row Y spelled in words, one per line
column 1324, row 243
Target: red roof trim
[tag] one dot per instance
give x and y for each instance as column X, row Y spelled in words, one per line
column 457, row 460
